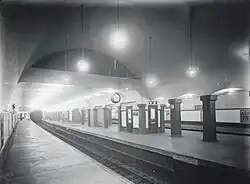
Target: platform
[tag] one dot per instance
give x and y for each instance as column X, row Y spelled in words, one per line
column 37, row 157
column 230, row 150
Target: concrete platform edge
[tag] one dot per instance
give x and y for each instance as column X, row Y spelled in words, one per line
column 175, row 156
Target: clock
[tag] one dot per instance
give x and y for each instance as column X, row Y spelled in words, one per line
column 116, row 98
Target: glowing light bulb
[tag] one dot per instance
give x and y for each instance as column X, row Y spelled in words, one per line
column 151, row 81
column 83, row 66
column 118, row 39
column 191, row 72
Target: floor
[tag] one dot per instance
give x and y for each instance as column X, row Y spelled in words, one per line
column 37, row 157
column 231, row 150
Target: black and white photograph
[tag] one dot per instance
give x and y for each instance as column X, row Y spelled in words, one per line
column 124, row 91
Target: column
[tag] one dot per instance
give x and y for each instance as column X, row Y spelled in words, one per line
column 175, row 117
column 88, row 118
column 95, row 117
column 209, row 118
column 162, row 120
column 119, row 118
column 110, row 117
column 106, row 117
column 82, row 116
column 142, row 118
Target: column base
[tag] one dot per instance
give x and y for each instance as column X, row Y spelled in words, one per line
column 176, row 135
column 143, row 131
column 162, row 130
column 209, row 140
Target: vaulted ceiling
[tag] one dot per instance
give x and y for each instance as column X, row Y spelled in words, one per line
column 219, row 31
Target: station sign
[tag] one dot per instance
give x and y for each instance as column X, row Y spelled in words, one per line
column 152, row 103
column 245, row 115
column 135, row 113
column 198, row 107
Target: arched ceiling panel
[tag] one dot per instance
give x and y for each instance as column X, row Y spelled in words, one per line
column 98, row 63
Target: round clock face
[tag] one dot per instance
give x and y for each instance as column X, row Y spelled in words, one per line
column 116, row 98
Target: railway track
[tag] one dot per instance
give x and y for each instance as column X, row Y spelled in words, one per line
column 142, row 166
column 119, row 162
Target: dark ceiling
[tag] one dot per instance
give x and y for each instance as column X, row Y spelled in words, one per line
column 217, row 29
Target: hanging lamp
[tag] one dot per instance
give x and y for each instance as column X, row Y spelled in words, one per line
column 65, row 77
column 151, row 79
column 191, row 70
column 118, row 38
column 82, row 63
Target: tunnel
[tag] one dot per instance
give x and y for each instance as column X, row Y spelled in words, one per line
column 124, row 91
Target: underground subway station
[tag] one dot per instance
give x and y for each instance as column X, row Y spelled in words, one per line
column 124, row 91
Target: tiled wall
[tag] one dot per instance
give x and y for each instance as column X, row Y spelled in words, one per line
column 1, row 62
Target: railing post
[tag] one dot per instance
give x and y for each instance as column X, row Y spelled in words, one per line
column 2, row 129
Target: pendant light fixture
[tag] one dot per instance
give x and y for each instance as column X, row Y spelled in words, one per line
column 191, row 70
column 118, row 38
column 66, row 54
column 151, row 79
column 82, row 64
column 82, row 29
column 150, row 53
column 66, row 78
column 118, row 14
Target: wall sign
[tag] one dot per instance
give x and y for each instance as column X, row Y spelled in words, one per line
column 152, row 113
column 129, row 115
column 152, row 102
column 244, row 115
column 116, row 98
column 135, row 113
column 167, row 114
column 198, row 107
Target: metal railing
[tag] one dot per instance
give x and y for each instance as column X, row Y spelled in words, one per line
column 8, row 122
